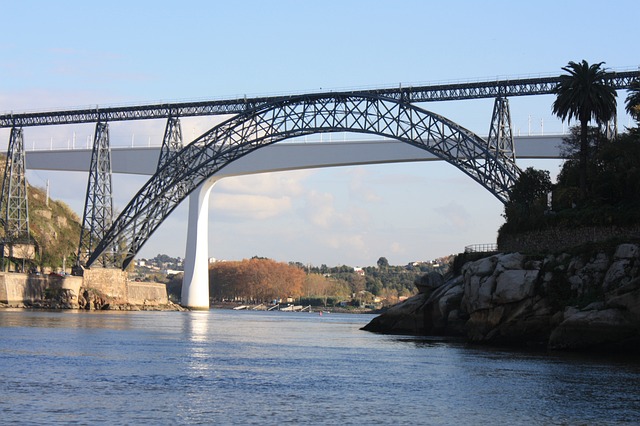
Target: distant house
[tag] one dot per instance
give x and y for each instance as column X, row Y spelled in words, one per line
column 359, row 271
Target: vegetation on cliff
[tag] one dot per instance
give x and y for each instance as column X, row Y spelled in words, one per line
column 599, row 183
column 54, row 229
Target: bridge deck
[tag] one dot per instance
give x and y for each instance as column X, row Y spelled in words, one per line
column 281, row 156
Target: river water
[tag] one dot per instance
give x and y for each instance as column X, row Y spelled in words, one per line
column 239, row 367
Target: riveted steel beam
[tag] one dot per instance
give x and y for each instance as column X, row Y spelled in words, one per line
column 172, row 141
column 14, row 203
column 427, row 93
column 500, row 139
column 98, row 208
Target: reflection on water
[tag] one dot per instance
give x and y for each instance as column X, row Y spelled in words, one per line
column 274, row 367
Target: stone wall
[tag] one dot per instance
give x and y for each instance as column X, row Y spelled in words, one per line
column 144, row 293
column 110, row 282
column 17, row 289
column 106, row 285
column 557, row 239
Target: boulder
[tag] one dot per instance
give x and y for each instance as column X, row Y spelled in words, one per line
column 478, row 293
column 627, row 251
column 514, row 285
column 626, row 298
column 510, row 261
column 482, row 268
column 429, row 282
column 617, row 275
column 594, row 329
column 404, row 318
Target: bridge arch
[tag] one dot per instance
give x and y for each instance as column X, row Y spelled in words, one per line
column 298, row 116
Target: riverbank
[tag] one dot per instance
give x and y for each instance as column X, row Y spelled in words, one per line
column 317, row 309
column 589, row 301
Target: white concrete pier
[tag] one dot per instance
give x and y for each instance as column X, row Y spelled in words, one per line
column 195, row 284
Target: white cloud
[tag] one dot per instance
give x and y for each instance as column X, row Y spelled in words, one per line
column 248, row 207
column 397, row 248
column 344, row 243
column 360, row 186
column 320, row 210
column 267, row 184
column 260, row 196
column 455, row 215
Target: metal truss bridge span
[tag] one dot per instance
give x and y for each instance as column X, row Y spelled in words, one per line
column 430, row 93
column 298, row 116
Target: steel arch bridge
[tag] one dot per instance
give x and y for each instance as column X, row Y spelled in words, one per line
column 488, row 164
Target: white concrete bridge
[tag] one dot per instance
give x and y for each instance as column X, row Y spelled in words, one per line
column 277, row 157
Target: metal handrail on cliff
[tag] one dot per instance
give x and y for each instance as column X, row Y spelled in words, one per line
column 481, row 248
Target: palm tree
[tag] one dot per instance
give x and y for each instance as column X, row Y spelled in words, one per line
column 633, row 101
column 583, row 94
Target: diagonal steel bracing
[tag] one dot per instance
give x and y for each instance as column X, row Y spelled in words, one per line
column 500, row 139
column 172, row 141
column 293, row 117
column 98, row 208
column 14, row 203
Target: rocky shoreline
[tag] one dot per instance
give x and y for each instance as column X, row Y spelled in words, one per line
column 557, row 302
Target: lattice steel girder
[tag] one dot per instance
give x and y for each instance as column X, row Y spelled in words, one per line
column 443, row 92
column 15, row 202
column 293, row 117
column 172, row 141
column 98, row 208
column 500, row 137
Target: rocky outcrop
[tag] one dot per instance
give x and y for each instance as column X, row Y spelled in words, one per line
column 560, row 301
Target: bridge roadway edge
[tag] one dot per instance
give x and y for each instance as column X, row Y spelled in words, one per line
column 282, row 156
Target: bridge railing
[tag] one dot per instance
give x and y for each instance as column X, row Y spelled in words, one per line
column 481, row 248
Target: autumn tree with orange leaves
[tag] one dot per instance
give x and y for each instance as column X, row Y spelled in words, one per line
column 255, row 280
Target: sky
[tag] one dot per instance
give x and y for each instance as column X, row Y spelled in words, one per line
column 69, row 54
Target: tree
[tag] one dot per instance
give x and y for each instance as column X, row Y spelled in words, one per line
column 383, row 263
column 617, row 173
column 255, row 280
column 633, row 101
column 584, row 94
column 528, row 198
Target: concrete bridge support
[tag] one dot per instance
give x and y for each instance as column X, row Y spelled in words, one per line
column 195, row 284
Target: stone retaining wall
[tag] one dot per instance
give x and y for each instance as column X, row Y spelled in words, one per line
column 558, row 239
column 17, row 289
column 110, row 282
column 144, row 293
